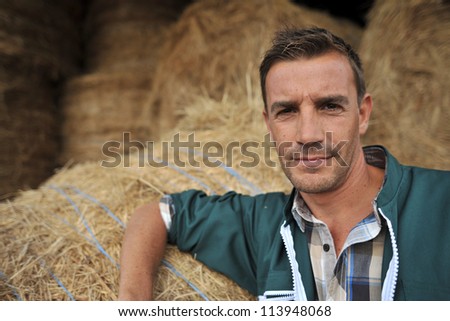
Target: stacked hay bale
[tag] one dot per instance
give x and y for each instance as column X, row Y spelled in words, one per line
column 215, row 48
column 39, row 46
column 125, row 35
column 406, row 75
column 100, row 107
column 62, row 241
column 122, row 40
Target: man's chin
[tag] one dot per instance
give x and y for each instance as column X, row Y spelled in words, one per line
column 312, row 189
column 314, row 182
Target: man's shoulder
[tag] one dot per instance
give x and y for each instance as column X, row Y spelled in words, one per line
column 232, row 193
column 417, row 174
column 428, row 175
column 233, row 198
column 416, row 186
column 425, row 190
column 272, row 196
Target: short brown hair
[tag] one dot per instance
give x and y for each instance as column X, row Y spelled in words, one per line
column 292, row 44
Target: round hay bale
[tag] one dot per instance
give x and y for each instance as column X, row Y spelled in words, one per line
column 62, row 241
column 406, row 74
column 122, row 45
column 216, row 46
column 127, row 35
column 100, row 107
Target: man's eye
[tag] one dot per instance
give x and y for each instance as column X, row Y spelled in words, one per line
column 331, row 107
column 285, row 111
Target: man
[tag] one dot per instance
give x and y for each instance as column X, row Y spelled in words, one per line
column 357, row 226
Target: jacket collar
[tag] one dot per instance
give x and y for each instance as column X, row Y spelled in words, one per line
column 393, row 178
column 288, row 207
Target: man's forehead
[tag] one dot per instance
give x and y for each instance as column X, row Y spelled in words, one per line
column 329, row 73
column 325, row 60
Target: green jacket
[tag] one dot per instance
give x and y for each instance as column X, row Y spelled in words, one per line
column 255, row 241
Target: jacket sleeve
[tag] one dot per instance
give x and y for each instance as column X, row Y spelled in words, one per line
column 218, row 231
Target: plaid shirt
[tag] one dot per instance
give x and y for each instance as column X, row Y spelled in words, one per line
column 356, row 273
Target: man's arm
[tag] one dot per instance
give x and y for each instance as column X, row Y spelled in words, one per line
column 143, row 248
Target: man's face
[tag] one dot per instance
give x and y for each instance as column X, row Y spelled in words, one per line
column 313, row 117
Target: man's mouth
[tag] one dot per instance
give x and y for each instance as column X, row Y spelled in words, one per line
column 312, row 162
column 309, row 161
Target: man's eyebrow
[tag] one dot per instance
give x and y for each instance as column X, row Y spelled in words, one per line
column 335, row 99
column 282, row 104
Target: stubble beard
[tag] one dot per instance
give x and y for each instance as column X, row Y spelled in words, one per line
column 317, row 180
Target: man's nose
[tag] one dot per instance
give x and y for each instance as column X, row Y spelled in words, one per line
column 309, row 127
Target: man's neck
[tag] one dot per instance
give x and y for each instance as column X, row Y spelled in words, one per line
column 346, row 206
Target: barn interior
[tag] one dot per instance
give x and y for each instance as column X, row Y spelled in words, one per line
column 93, row 91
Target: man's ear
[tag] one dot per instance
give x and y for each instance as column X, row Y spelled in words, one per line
column 365, row 111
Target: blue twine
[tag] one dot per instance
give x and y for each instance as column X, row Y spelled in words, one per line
column 85, row 223
column 167, row 264
column 247, row 184
column 190, row 151
column 195, row 179
column 241, row 179
column 16, row 294
column 174, row 270
column 103, row 206
column 91, row 198
column 73, row 227
column 57, row 280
